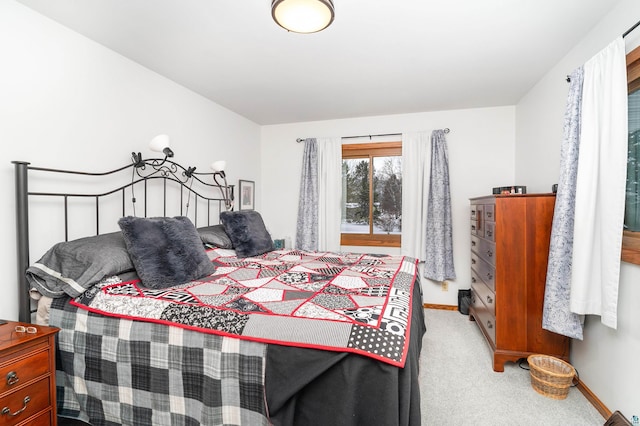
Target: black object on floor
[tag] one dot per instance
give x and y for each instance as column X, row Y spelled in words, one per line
column 464, row 301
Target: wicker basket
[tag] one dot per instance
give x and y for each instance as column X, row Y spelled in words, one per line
column 550, row 376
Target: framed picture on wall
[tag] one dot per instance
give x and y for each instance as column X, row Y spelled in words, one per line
column 247, row 194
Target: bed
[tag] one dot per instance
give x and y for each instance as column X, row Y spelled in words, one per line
column 258, row 337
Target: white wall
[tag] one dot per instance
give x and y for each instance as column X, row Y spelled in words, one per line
column 67, row 102
column 481, row 156
column 606, row 359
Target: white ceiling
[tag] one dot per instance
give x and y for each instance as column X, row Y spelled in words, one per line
column 377, row 58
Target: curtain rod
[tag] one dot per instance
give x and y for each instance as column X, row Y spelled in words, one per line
column 626, row 33
column 446, row 130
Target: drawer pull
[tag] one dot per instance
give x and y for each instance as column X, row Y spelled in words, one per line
column 489, row 299
column 473, row 243
column 473, row 280
column 473, row 261
column 12, row 378
column 489, row 214
column 473, row 227
column 6, row 410
column 489, row 324
column 489, row 253
column 489, row 276
column 489, row 233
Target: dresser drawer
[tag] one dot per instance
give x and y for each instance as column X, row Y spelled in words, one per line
column 487, row 251
column 474, row 277
column 31, row 399
column 489, row 213
column 490, row 231
column 484, row 271
column 23, row 370
column 476, row 228
column 487, row 296
column 475, row 243
column 483, row 317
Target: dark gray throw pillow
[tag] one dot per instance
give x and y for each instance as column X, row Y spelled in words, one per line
column 165, row 251
column 215, row 236
column 247, row 232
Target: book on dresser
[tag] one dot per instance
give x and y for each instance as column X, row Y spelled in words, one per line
column 509, row 251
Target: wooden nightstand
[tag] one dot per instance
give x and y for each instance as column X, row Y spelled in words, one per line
column 27, row 375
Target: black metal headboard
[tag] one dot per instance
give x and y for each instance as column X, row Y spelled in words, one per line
column 195, row 189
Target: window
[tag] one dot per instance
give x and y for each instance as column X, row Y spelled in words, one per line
column 631, row 233
column 371, row 194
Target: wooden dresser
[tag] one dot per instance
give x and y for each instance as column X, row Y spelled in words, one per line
column 509, row 251
column 27, row 376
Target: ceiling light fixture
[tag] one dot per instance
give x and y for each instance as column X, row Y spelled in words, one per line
column 303, row 16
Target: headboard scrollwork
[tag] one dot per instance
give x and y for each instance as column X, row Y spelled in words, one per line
column 202, row 189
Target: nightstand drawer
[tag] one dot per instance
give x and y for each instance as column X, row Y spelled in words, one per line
column 43, row 419
column 23, row 403
column 23, row 370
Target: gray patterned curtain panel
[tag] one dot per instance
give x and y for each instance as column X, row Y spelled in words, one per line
column 556, row 315
column 439, row 257
column 307, row 224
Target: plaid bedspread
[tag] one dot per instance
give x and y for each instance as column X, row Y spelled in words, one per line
column 341, row 302
column 113, row 371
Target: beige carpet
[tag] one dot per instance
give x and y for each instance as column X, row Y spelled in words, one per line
column 459, row 387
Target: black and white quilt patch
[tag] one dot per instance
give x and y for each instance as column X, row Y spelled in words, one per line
column 340, row 302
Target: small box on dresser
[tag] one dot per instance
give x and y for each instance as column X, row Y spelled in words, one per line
column 27, row 375
column 509, row 251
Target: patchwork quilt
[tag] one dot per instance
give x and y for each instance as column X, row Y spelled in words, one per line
column 333, row 301
column 113, row 372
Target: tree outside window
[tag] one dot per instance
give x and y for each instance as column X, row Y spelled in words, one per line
column 372, row 194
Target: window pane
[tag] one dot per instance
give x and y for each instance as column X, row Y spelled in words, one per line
column 387, row 195
column 632, row 208
column 355, row 190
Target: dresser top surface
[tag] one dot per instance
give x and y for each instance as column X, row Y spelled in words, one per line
column 505, row 196
column 9, row 337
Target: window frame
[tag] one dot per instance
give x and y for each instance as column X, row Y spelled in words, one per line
column 370, row 150
column 630, row 239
